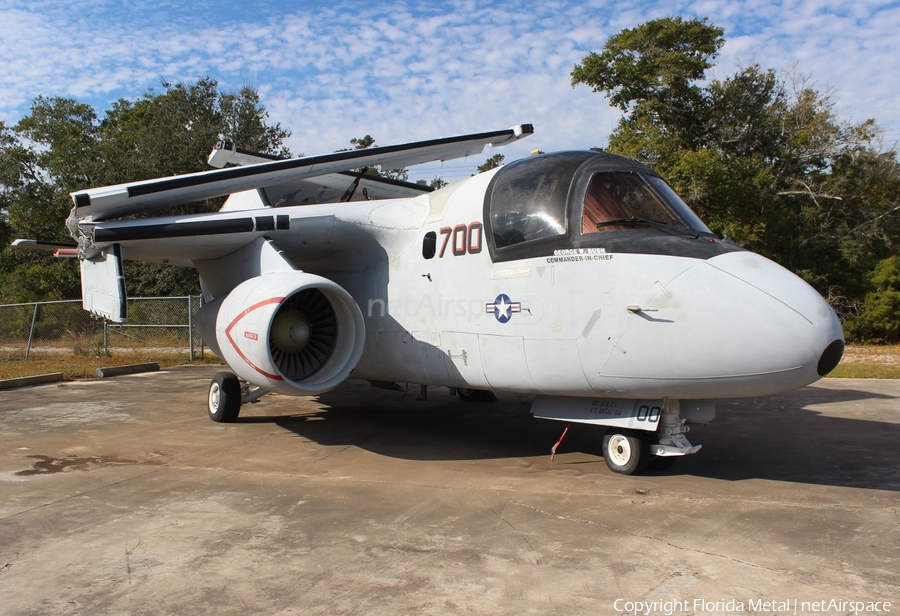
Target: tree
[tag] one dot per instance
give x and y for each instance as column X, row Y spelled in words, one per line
column 62, row 146
column 650, row 71
column 436, row 183
column 760, row 156
column 363, row 143
column 172, row 132
column 402, row 174
column 491, row 163
column 879, row 321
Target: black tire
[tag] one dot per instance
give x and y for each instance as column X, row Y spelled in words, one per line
column 476, row 395
column 625, row 452
column 224, row 399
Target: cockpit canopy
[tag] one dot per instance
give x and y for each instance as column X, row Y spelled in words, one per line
column 587, row 199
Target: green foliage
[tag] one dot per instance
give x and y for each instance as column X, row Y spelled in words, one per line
column 650, row 71
column 879, row 321
column 491, row 163
column 172, row 132
column 363, row 143
column 761, row 157
column 402, row 174
column 436, row 183
column 63, row 146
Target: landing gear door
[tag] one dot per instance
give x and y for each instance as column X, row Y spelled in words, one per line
column 613, row 412
column 103, row 285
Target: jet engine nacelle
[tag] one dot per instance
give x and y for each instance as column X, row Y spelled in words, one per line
column 290, row 332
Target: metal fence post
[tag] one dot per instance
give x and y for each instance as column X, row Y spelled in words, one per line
column 105, row 337
column 191, row 326
column 202, row 342
column 31, row 332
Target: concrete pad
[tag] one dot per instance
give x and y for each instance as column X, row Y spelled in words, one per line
column 121, row 496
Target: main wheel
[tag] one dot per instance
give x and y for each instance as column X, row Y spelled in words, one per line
column 224, row 399
column 476, row 395
column 625, row 452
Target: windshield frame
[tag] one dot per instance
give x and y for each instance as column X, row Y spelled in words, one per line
column 639, row 237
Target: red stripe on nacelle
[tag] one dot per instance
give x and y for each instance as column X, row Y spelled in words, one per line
column 273, row 300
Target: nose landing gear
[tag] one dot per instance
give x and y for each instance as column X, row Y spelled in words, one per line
column 628, row 452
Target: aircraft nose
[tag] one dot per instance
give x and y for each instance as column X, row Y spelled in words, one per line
column 733, row 326
column 825, row 336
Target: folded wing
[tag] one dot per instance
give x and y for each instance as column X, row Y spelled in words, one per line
column 108, row 202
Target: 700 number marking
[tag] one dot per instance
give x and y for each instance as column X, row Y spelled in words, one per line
column 467, row 239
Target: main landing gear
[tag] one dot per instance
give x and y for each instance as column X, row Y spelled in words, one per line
column 227, row 394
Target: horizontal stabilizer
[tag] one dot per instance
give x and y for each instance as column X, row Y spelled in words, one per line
column 58, row 249
column 123, row 199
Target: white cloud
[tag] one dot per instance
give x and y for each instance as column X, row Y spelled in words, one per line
column 404, row 71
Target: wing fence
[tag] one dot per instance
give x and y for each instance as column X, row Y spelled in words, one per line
column 155, row 324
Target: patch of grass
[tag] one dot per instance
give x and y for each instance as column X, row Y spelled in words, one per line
column 865, row 371
column 78, row 366
column 869, row 362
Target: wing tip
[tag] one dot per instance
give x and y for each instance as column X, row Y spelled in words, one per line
column 523, row 130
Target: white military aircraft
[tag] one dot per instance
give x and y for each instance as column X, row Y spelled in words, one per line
column 578, row 277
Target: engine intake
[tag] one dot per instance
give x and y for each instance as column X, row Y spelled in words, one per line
column 290, row 332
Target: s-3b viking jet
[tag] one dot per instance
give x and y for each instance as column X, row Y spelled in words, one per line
column 578, row 277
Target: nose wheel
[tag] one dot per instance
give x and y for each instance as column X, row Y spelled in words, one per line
column 626, row 451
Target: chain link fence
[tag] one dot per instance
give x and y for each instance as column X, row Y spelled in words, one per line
column 155, row 324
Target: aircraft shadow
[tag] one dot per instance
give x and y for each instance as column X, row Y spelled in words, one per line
column 783, row 439
column 777, row 438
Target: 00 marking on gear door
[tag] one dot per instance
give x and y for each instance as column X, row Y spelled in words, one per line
column 463, row 239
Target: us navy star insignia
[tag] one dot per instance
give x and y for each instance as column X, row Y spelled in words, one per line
column 503, row 308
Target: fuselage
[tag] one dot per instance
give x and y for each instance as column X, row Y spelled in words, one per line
column 584, row 321
column 548, row 276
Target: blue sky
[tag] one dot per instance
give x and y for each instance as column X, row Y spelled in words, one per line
column 403, row 71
